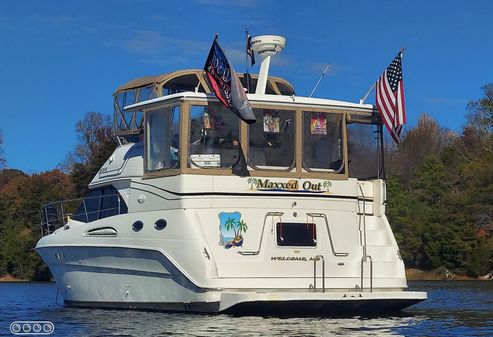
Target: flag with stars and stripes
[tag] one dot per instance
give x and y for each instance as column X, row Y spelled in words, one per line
column 390, row 98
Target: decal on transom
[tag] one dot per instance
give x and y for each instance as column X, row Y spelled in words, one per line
column 231, row 227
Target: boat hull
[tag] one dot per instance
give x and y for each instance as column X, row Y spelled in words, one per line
column 140, row 279
column 277, row 305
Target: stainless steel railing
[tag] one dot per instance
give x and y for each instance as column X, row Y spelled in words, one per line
column 317, row 258
column 324, row 217
column 365, row 258
column 56, row 214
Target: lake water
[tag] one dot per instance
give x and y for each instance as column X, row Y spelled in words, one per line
column 454, row 308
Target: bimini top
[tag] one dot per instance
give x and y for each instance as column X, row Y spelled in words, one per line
column 149, row 87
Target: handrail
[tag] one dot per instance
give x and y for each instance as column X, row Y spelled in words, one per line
column 256, row 252
column 365, row 256
column 54, row 215
column 315, row 259
column 363, row 260
column 321, row 215
column 364, row 219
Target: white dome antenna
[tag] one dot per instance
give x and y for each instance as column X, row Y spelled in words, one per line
column 266, row 46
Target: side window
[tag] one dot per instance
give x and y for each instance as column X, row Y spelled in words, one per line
column 322, row 142
column 163, row 138
column 111, row 203
column 296, row 234
column 214, row 137
column 89, row 209
column 100, row 203
column 362, row 151
column 271, row 139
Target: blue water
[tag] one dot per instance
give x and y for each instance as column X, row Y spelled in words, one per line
column 454, row 308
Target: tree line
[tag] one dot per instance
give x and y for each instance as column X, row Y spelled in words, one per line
column 439, row 193
column 22, row 195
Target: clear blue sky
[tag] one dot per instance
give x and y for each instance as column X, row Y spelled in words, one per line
column 61, row 59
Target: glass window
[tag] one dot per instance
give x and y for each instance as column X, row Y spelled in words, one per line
column 322, row 142
column 214, row 137
column 146, row 93
column 362, row 151
column 163, row 138
column 111, row 203
column 271, row 139
column 124, row 118
column 100, row 203
column 296, row 234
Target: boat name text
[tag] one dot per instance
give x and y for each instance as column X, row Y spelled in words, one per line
column 292, row 185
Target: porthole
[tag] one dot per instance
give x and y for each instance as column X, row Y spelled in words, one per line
column 160, row 224
column 137, row 226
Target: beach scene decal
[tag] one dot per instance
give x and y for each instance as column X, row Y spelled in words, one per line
column 231, row 229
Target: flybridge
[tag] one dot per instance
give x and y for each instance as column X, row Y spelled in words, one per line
column 128, row 123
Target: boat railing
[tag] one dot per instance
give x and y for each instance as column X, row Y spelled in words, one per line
column 56, row 214
column 317, row 258
column 268, row 214
column 323, row 216
column 362, row 229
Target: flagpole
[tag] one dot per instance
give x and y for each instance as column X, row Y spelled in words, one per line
column 247, row 77
column 382, row 153
column 361, row 101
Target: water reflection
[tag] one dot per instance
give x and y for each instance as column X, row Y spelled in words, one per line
column 453, row 309
column 134, row 323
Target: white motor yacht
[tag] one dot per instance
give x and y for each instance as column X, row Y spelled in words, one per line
column 197, row 211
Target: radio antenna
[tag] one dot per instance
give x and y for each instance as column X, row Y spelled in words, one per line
column 320, row 79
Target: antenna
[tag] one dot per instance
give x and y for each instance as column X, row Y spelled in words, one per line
column 266, row 46
column 320, row 79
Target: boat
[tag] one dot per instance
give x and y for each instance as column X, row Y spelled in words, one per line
column 198, row 211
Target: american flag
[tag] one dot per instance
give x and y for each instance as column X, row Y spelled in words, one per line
column 390, row 98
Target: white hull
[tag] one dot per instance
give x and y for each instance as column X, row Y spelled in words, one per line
column 186, row 270
column 109, row 277
column 207, row 214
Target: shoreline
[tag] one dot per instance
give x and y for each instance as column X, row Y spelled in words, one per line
column 411, row 275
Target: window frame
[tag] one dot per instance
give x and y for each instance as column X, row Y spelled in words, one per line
column 343, row 130
column 163, row 171
column 188, row 141
column 297, row 172
column 292, row 167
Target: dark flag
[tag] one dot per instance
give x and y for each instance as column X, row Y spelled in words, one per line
column 390, row 98
column 249, row 49
column 226, row 85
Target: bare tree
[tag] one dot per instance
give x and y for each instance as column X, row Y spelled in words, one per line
column 480, row 113
column 427, row 139
column 93, row 131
